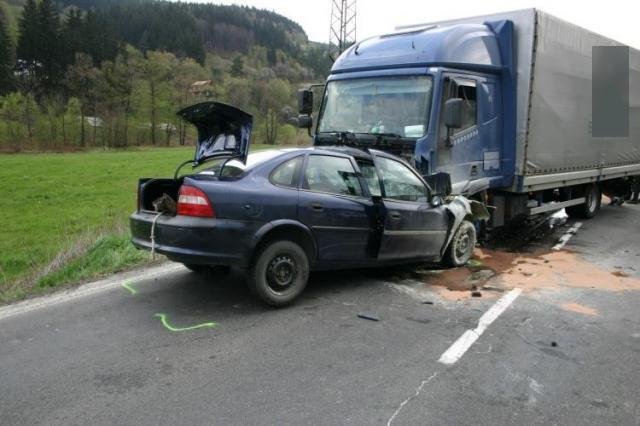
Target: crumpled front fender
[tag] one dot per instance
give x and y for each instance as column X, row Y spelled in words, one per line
column 459, row 209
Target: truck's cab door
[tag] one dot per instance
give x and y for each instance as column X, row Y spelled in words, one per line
column 413, row 228
column 473, row 150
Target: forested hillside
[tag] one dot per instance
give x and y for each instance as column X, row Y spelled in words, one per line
column 112, row 73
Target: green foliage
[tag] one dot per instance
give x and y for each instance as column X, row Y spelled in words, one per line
column 6, row 56
column 57, row 205
column 40, row 48
column 128, row 96
column 237, row 67
column 109, row 254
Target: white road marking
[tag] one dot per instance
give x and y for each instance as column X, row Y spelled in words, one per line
column 86, row 290
column 567, row 236
column 460, row 346
column 417, row 392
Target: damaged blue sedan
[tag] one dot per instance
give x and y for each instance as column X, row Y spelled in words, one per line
column 282, row 213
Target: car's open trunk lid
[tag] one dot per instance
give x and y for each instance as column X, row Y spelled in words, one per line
column 224, row 131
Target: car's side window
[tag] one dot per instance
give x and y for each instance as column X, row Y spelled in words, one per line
column 370, row 176
column 336, row 175
column 464, row 89
column 286, row 173
column 400, row 183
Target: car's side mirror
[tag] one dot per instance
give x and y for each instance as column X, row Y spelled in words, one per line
column 453, row 113
column 436, row 201
column 305, row 121
column 305, row 101
column 440, row 184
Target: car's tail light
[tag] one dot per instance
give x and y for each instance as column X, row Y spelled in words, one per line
column 194, row 202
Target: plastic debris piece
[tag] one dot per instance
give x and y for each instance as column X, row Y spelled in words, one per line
column 491, row 288
column 554, row 344
column 427, row 302
column 476, row 294
column 369, row 317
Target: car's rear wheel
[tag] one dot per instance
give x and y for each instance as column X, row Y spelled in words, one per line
column 279, row 273
column 462, row 244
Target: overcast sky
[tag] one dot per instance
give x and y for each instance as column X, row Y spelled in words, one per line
column 616, row 19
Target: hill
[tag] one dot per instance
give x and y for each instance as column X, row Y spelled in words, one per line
column 193, row 29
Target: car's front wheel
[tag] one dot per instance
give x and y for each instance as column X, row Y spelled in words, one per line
column 279, row 273
column 462, row 244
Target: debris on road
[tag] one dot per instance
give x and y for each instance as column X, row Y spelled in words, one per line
column 476, row 294
column 620, row 274
column 367, row 316
column 492, row 288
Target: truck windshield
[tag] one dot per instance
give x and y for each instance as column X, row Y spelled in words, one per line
column 380, row 105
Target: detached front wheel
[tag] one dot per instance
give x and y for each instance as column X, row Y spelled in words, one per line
column 461, row 246
column 279, row 273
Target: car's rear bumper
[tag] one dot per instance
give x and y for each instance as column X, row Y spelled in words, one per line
column 195, row 240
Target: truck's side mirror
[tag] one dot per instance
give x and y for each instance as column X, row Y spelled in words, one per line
column 440, row 184
column 453, row 113
column 305, row 121
column 305, row 101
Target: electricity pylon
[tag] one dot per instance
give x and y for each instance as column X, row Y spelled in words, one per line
column 343, row 26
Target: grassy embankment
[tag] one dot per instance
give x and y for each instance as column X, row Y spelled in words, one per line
column 65, row 215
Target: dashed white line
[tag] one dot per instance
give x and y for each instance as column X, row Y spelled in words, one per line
column 86, row 290
column 567, row 236
column 460, row 346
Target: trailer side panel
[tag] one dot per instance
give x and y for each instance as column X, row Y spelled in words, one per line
column 560, row 144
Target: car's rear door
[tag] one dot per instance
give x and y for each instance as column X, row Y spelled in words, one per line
column 333, row 205
column 413, row 228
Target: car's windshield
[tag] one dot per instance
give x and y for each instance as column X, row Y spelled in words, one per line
column 398, row 105
column 234, row 168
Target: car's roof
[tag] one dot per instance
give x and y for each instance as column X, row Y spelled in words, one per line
column 257, row 158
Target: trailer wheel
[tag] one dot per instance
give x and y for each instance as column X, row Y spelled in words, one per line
column 279, row 273
column 461, row 246
column 591, row 205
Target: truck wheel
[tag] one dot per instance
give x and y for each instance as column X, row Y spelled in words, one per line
column 591, row 205
column 461, row 246
column 279, row 273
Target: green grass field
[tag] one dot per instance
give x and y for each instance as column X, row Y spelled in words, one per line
column 65, row 215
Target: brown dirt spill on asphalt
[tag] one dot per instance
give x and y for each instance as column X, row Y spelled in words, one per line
column 581, row 309
column 493, row 272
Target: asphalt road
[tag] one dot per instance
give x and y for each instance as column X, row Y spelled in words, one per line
column 565, row 351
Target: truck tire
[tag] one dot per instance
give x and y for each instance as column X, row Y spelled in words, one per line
column 279, row 273
column 461, row 246
column 591, row 205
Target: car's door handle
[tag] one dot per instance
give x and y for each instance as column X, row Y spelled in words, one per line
column 394, row 215
column 316, row 206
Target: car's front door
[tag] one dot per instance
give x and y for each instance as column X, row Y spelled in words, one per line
column 333, row 205
column 413, row 228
